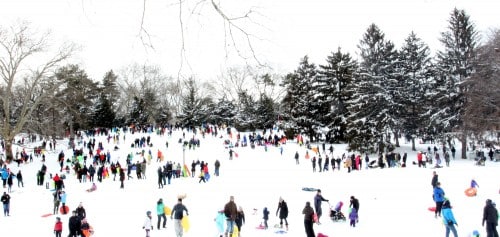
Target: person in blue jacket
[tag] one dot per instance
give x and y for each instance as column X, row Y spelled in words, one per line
column 448, row 219
column 438, row 197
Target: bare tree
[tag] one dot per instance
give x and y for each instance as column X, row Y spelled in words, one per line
column 483, row 108
column 26, row 61
column 238, row 24
column 136, row 80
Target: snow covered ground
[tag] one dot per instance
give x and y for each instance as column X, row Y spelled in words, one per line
column 393, row 202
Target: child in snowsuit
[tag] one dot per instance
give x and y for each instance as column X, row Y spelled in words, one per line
column 353, row 217
column 265, row 217
column 148, row 225
column 58, row 227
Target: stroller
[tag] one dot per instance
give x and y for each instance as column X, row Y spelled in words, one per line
column 336, row 213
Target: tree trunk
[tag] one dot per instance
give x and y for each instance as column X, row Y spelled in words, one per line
column 396, row 138
column 9, row 156
column 413, row 143
column 463, row 139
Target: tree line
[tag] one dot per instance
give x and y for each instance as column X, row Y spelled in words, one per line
column 387, row 93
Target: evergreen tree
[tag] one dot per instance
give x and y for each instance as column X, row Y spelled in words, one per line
column 194, row 109
column 246, row 117
column 223, row 112
column 104, row 115
column 77, row 97
column 456, row 63
column 265, row 112
column 415, row 67
column 305, row 108
column 288, row 104
column 372, row 108
column 137, row 113
column 333, row 79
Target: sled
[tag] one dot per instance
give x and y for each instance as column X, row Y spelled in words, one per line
column 64, row 210
column 260, row 227
column 471, row 192
column 315, row 218
column 315, row 150
column 46, row 215
column 432, row 209
column 167, row 211
column 322, row 235
column 281, row 232
column 187, row 170
column 309, row 189
column 185, row 223
column 235, row 231
column 89, row 232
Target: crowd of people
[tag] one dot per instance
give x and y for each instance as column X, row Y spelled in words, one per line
column 103, row 165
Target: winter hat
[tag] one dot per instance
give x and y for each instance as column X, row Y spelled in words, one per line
column 148, row 213
column 446, row 204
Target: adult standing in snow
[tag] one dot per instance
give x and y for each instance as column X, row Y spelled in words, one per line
column 434, row 180
column 231, row 212
column 80, row 211
column 177, row 214
column 317, row 204
column 308, row 220
column 217, row 167
column 122, row 178
column 438, row 197
column 147, row 226
column 74, row 225
column 57, row 201
column 490, row 218
column 160, row 211
column 448, row 219
column 283, row 212
column 354, row 203
column 19, row 177
column 5, row 199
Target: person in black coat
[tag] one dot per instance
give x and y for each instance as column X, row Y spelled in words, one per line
column 354, row 203
column 74, row 225
column 308, row 219
column 283, row 212
column 434, row 180
column 490, row 217
column 80, row 212
column 240, row 219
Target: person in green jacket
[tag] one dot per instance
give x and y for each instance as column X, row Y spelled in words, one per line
column 160, row 211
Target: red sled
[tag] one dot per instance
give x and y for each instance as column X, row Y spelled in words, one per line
column 64, row 210
column 322, row 235
column 433, row 209
column 46, row 215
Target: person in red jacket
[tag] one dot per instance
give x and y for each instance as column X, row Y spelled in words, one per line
column 58, row 227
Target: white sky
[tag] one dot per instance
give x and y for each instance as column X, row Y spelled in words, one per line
column 108, row 30
column 393, row 202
